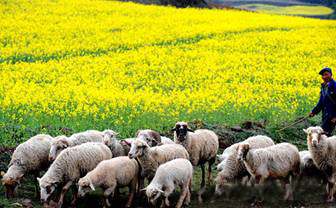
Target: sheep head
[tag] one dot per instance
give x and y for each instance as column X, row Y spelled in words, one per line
column 58, row 144
column 109, row 137
column 181, row 129
column 314, row 135
column 220, row 181
column 242, row 150
column 138, row 149
column 11, row 180
column 152, row 138
column 47, row 189
column 153, row 193
column 85, row 185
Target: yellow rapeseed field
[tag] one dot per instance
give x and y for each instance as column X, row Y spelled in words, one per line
column 106, row 64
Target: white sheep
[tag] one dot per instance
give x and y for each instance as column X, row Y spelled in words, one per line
column 177, row 172
column 30, row 157
column 231, row 168
column 308, row 169
column 323, row 152
column 151, row 157
column 116, row 146
column 110, row 174
column 202, row 146
column 277, row 161
column 152, row 137
column 62, row 142
column 69, row 166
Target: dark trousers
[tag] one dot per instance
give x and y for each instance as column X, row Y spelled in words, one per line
column 328, row 126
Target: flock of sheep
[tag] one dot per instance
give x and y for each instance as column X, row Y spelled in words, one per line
column 92, row 159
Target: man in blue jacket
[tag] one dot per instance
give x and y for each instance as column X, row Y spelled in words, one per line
column 327, row 102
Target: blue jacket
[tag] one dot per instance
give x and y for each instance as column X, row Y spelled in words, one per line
column 327, row 102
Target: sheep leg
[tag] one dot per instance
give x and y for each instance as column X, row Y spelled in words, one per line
column 64, row 191
column 132, row 190
column 36, row 183
column 330, row 189
column 202, row 189
column 288, row 189
column 163, row 205
column 109, row 192
column 184, row 193
column 260, row 185
column 187, row 201
column 210, row 162
column 74, row 196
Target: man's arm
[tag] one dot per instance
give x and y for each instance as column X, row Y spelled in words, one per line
column 318, row 107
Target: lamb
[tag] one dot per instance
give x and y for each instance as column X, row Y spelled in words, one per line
column 29, row 157
column 117, row 148
column 202, row 146
column 110, row 174
column 59, row 143
column 151, row 157
column 276, row 161
column 69, row 166
column 323, row 152
column 308, row 169
column 175, row 172
column 231, row 168
column 152, row 137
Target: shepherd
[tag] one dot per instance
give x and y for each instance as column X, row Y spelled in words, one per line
column 327, row 102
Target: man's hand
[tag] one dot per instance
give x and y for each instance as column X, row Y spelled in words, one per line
column 311, row 114
column 333, row 120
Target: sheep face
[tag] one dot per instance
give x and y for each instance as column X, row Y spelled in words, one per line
column 220, row 181
column 138, row 149
column 57, row 146
column 153, row 194
column 314, row 135
column 181, row 129
column 109, row 137
column 47, row 189
column 84, row 187
column 10, row 185
column 242, row 151
column 11, row 180
column 152, row 138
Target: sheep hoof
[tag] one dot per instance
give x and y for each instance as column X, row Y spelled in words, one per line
column 200, row 200
column 257, row 202
column 330, row 199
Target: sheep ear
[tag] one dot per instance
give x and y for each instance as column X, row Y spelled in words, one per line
column 65, row 143
column 137, row 133
column 91, row 186
column 305, row 131
column 188, row 129
column 143, row 190
column 159, row 190
column 173, row 129
column 38, row 179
